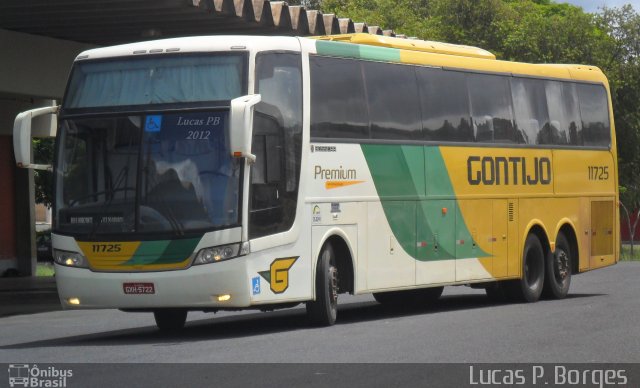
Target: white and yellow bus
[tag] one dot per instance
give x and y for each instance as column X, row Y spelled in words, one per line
column 232, row 172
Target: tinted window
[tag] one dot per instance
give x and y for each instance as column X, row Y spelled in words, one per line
column 156, row 79
column 445, row 105
column 338, row 105
column 392, row 94
column 491, row 108
column 530, row 108
column 564, row 114
column 595, row 115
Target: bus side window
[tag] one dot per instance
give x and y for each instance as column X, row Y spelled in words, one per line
column 491, row 108
column 338, row 104
column 596, row 129
column 530, row 108
column 392, row 94
column 444, row 105
column 572, row 111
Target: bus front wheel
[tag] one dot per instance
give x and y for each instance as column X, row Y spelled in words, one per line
column 529, row 287
column 324, row 310
column 170, row 319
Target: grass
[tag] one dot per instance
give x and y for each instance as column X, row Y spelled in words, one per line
column 44, row 269
column 625, row 253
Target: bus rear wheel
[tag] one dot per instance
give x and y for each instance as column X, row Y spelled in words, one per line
column 558, row 270
column 529, row 287
column 170, row 319
column 324, row 310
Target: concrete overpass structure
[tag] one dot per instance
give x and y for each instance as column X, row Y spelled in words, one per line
column 40, row 38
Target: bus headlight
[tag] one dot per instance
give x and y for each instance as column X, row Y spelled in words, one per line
column 70, row 259
column 221, row 253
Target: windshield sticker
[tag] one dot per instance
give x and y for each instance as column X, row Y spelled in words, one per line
column 90, row 219
column 316, row 216
column 194, row 127
column 316, row 148
column 153, row 123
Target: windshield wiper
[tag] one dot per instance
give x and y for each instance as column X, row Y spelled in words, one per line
column 167, row 213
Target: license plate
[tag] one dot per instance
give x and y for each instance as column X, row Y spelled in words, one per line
column 139, row 288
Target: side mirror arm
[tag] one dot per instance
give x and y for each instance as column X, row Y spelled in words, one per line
column 241, row 126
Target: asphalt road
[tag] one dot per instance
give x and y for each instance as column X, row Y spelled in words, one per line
column 599, row 322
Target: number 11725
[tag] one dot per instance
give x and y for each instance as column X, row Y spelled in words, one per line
column 598, row 173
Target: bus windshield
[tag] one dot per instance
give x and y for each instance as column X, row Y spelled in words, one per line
column 157, row 173
column 156, row 80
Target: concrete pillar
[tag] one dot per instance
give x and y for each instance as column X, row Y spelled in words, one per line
column 16, row 250
column 17, row 198
column 25, row 222
column 7, row 208
column 32, row 67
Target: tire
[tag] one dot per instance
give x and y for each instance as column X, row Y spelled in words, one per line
column 409, row 298
column 529, row 287
column 324, row 310
column 558, row 270
column 170, row 319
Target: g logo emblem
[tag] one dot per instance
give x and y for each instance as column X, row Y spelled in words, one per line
column 278, row 274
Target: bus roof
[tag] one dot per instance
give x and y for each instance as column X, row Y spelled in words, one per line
column 194, row 44
column 364, row 46
column 411, row 44
column 460, row 57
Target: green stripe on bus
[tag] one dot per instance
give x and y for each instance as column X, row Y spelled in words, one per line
column 163, row 252
column 400, row 174
column 178, row 250
column 148, row 252
column 349, row 50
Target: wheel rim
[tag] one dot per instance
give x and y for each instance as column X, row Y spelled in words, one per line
column 333, row 287
column 561, row 266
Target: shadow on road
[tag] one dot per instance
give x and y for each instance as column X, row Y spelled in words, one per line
column 246, row 325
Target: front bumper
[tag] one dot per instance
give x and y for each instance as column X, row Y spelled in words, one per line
column 197, row 287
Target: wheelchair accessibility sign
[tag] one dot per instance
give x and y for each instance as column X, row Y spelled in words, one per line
column 255, row 285
column 153, row 123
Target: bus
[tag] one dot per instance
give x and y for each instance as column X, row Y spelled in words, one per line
column 248, row 172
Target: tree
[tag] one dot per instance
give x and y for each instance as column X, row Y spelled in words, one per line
column 403, row 16
column 622, row 66
column 536, row 31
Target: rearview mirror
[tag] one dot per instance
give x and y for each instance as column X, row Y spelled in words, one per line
column 241, row 126
column 29, row 124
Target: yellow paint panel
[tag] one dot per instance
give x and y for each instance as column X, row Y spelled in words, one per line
column 101, row 253
column 110, row 256
column 500, row 238
column 499, row 172
column 104, row 265
column 584, row 172
column 601, row 228
column 517, row 68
